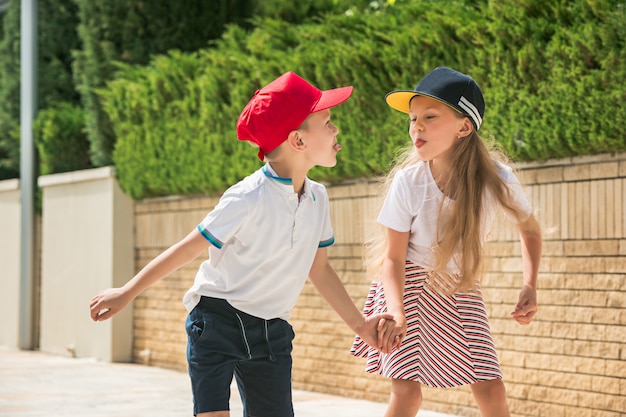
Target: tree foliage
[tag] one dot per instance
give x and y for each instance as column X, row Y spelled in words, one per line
column 61, row 141
column 159, row 85
column 56, row 38
column 9, row 93
column 550, row 73
column 131, row 32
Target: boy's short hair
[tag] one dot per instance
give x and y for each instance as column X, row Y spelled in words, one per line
column 281, row 107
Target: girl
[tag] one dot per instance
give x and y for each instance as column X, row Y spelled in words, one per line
column 439, row 203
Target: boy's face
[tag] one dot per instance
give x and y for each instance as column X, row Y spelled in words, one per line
column 320, row 136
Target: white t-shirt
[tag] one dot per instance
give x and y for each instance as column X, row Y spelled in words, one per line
column 412, row 205
column 263, row 242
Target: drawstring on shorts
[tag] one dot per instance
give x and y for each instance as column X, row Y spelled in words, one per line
column 267, row 340
column 244, row 337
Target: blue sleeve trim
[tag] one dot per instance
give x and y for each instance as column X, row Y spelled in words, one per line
column 208, row 236
column 326, row 243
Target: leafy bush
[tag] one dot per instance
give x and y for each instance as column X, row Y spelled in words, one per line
column 131, row 31
column 56, row 38
column 126, row 31
column 9, row 91
column 550, row 72
column 553, row 72
column 201, row 95
column 61, row 140
column 303, row 10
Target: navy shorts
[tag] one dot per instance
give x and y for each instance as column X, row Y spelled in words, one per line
column 224, row 342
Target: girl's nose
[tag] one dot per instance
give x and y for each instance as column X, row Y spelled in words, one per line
column 416, row 127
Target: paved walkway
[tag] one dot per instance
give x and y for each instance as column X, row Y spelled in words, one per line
column 35, row 384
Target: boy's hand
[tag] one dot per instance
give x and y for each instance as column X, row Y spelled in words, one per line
column 368, row 330
column 526, row 307
column 391, row 333
column 108, row 303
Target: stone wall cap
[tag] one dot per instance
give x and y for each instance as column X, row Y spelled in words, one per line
column 576, row 160
column 10, row 185
column 77, row 176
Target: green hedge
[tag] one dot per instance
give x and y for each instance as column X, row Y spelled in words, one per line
column 303, row 10
column 61, row 140
column 550, row 71
column 131, row 31
column 4, row 172
column 80, row 41
column 56, row 38
column 9, row 91
column 212, row 86
column 554, row 72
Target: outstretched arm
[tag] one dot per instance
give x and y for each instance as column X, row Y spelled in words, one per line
column 393, row 272
column 327, row 283
column 530, row 236
column 110, row 302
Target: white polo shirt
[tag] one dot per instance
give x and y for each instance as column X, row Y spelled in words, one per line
column 263, row 242
column 412, row 205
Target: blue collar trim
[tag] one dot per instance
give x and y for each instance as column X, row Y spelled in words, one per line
column 286, row 181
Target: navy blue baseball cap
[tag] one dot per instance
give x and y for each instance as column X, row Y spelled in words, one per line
column 452, row 88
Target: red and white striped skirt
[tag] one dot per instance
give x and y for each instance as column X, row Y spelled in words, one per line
column 448, row 341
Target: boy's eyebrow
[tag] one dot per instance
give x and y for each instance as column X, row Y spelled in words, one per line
column 328, row 116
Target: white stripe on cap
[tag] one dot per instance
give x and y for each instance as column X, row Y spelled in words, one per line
column 471, row 110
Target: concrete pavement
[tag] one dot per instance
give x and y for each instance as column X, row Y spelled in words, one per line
column 35, row 384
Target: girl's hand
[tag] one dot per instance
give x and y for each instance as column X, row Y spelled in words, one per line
column 369, row 330
column 391, row 333
column 526, row 307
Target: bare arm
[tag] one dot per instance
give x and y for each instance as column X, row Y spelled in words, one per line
column 110, row 302
column 327, row 283
column 531, row 240
column 394, row 276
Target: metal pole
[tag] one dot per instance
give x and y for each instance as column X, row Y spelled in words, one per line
column 28, row 111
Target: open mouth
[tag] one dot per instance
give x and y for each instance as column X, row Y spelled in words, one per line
column 337, row 147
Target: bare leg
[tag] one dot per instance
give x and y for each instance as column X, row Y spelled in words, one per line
column 215, row 414
column 406, row 398
column 491, row 398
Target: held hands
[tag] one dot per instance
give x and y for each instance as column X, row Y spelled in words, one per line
column 526, row 307
column 391, row 333
column 383, row 331
column 108, row 303
column 370, row 331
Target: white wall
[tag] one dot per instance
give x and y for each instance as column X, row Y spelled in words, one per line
column 10, row 220
column 87, row 246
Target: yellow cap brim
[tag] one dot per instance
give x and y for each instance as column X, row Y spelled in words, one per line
column 400, row 100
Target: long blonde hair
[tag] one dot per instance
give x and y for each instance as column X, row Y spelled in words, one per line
column 475, row 171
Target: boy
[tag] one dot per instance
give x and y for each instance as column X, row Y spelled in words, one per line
column 265, row 236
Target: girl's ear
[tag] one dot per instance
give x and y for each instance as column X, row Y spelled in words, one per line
column 466, row 128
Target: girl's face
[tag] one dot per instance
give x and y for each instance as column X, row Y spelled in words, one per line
column 435, row 128
column 320, row 136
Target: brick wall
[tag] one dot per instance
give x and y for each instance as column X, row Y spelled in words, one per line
column 569, row 362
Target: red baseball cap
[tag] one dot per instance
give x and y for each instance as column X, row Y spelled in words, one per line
column 282, row 106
